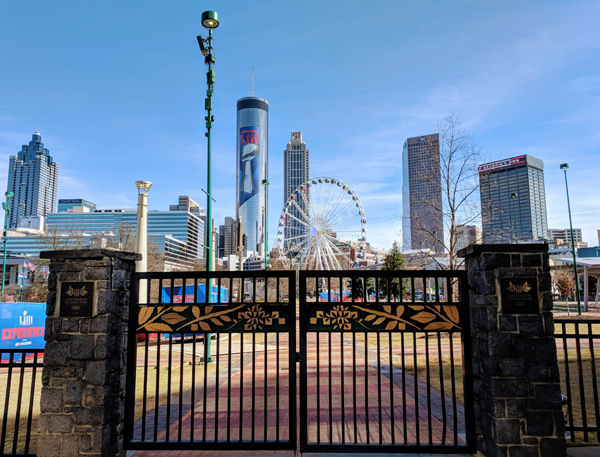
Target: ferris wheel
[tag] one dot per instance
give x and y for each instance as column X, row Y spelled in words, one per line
column 323, row 226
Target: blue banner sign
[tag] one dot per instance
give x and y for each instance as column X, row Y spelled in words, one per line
column 22, row 326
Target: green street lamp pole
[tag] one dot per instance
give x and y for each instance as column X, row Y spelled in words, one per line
column 266, row 222
column 6, row 207
column 565, row 167
column 513, row 197
column 210, row 21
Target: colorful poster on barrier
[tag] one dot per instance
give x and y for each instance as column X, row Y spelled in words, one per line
column 22, row 326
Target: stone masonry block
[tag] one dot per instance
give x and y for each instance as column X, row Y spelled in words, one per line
column 523, row 451
column 531, row 325
column 73, row 392
column 507, row 431
column 70, row 325
column 539, row 423
column 102, row 274
column 82, row 347
column 509, row 366
column 51, row 400
column 515, row 260
column 495, row 260
column 70, row 445
column 56, row 353
column 509, row 387
column 532, row 260
column 48, row 445
column 107, row 301
column 96, row 372
column 508, row 323
column 553, row 447
column 60, row 423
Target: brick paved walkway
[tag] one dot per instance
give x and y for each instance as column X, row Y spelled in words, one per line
column 331, row 415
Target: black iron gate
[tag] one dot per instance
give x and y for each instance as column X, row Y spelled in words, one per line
column 246, row 397
column 385, row 362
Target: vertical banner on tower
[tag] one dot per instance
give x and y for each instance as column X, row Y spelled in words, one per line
column 249, row 164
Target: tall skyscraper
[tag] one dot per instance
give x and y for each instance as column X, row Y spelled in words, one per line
column 33, row 177
column 467, row 235
column 252, row 167
column 227, row 237
column 295, row 173
column 501, row 214
column 422, row 221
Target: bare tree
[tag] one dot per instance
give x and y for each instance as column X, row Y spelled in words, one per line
column 59, row 239
column 450, row 170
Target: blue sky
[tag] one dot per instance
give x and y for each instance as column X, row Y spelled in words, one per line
column 116, row 89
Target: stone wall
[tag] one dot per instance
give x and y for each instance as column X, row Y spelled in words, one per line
column 83, row 383
column 518, row 409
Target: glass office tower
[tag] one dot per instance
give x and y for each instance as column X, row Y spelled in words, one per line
column 504, row 217
column 422, row 194
column 33, row 177
column 252, row 159
column 295, row 173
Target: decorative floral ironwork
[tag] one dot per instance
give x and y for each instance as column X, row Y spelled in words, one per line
column 376, row 317
column 193, row 318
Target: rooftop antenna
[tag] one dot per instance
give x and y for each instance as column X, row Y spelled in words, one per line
column 253, row 80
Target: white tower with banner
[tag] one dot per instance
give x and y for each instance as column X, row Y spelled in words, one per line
column 252, row 147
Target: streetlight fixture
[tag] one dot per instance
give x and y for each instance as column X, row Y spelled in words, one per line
column 513, row 197
column 6, row 207
column 210, row 21
column 565, row 167
column 266, row 222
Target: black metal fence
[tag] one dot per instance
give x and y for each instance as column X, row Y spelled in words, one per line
column 578, row 349
column 385, row 362
column 245, row 397
column 20, row 387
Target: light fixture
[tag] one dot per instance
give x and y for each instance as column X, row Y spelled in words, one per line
column 210, row 20
column 564, row 166
column 201, row 43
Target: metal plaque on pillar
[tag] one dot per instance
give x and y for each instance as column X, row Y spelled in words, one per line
column 519, row 296
column 76, row 299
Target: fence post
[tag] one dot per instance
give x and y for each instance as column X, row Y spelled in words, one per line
column 83, row 382
column 518, row 408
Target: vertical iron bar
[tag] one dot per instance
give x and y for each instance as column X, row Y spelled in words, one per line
column 581, row 383
column 330, row 383
column 181, row 361
column 265, row 378
column 229, row 379
column 379, row 381
column 193, row 401
column 253, row 373
column 145, row 393
column 217, row 386
column 568, row 383
column 404, row 422
column 343, row 374
column 170, row 371
column 7, row 399
column 31, row 400
column 277, row 391
column 157, row 390
column 393, row 412
column 367, row 385
column 416, row 388
column 429, row 425
column 442, row 393
column 318, row 336
column 354, row 380
column 453, row 384
column 19, row 398
column 594, row 381
column 241, row 421
column 206, row 359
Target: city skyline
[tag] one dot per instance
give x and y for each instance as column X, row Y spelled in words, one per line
column 521, row 77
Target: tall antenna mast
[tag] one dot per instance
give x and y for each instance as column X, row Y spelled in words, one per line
column 253, row 80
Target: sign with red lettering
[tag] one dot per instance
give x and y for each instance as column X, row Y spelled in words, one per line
column 22, row 326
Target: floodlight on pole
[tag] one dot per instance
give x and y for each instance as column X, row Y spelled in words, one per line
column 6, row 207
column 565, row 167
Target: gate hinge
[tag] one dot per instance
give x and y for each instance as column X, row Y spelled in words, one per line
column 297, row 357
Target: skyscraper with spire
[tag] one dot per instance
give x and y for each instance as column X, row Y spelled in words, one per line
column 295, row 173
column 33, row 177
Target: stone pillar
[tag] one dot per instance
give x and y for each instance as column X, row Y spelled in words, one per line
column 518, row 408
column 83, row 382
